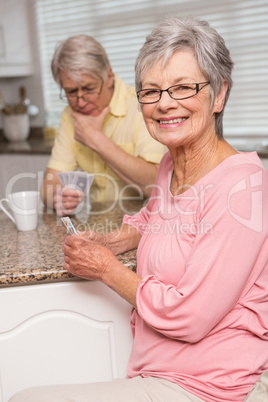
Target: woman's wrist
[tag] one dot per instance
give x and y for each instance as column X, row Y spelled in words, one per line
column 122, row 280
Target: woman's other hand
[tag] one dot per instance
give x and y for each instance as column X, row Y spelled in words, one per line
column 86, row 258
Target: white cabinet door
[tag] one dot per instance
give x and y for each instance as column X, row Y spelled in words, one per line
column 15, row 41
column 72, row 332
column 21, row 172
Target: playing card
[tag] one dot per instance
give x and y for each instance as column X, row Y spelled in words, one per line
column 69, row 225
column 77, row 180
column 64, row 178
column 81, row 182
column 84, row 181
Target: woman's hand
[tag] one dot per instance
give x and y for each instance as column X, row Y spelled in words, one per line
column 86, row 258
column 93, row 261
column 118, row 241
column 99, row 238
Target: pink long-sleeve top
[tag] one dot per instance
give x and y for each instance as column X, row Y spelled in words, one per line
column 202, row 305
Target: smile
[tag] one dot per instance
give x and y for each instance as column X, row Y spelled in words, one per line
column 180, row 120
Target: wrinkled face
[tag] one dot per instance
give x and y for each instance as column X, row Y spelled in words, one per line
column 88, row 95
column 173, row 122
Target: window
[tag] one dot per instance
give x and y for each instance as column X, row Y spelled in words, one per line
column 122, row 25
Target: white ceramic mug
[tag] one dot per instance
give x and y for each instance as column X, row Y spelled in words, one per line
column 24, row 209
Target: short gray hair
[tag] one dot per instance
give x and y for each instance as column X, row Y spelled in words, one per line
column 209, row 48
column 80, row 54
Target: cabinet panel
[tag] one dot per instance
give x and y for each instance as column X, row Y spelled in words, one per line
column 21, row 172
column 71, row 332
column 15, row 43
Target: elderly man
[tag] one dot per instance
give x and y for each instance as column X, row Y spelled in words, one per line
column 101, row 130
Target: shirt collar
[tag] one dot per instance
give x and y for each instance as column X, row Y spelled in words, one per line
column 118, row 104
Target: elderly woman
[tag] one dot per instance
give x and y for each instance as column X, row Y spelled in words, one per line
column 200, row 293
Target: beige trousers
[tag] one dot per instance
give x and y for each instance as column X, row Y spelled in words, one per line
column 259, row 392
column 137, row 389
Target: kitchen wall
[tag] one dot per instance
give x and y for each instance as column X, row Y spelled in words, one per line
column 9, row 87
column 33, row 84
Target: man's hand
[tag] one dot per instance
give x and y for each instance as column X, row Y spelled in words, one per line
column 88, row 129
column 66, row 200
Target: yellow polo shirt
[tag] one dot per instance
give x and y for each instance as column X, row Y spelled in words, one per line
column 124, row 125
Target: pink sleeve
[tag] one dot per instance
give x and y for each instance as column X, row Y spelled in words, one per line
column 225, row 271
column 138, row 220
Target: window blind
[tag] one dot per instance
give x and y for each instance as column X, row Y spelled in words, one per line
column 122, row 25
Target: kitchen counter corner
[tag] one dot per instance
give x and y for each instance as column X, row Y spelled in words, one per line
column 36, row 256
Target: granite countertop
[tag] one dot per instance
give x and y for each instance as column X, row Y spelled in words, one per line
column 36, row 256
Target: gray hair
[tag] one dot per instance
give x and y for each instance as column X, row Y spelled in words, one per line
column 80, row 54
column 211, row 53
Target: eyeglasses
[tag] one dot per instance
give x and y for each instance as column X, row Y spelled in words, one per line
column 89, row 94
column 177, row 92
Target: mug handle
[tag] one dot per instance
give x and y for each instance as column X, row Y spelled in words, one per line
column 4, row 209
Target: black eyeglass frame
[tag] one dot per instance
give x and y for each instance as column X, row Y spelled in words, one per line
column 160, row 91
column 65, row 98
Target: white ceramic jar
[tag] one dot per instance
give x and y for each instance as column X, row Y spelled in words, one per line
column 16, row 127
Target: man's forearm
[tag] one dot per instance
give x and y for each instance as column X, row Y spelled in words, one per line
column 131, row 169
column 49, row 187
column 47, row 194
